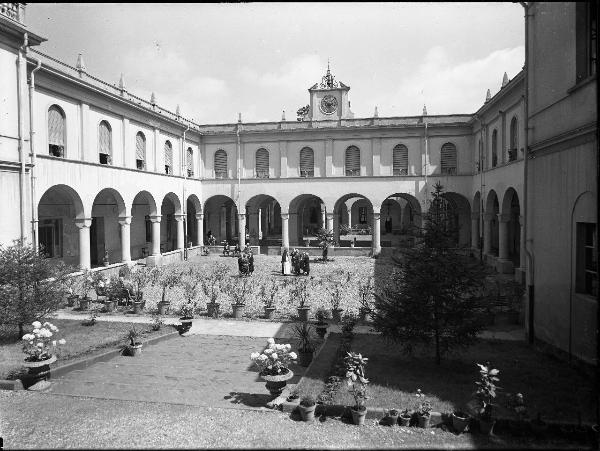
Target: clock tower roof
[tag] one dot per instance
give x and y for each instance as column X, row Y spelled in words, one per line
column 328, row 82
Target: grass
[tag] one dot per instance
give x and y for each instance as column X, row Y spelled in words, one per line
column 549, row 386
column 81, row 341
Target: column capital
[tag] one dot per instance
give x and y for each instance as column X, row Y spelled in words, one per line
column 285, row 216
column 83, row 222
column 179, row 218
column 199, row 216
column 125, row 220
column 487, row 217
column 330, row 215
column 155, row 218
column 241, row 215
column 503, row 217
column 376, row 215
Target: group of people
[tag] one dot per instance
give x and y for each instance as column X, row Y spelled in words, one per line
column 246, row 262
column 295, row 262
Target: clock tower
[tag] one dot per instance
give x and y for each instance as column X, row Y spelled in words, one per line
column 329, row 99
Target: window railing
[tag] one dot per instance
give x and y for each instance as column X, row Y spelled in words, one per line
column 105, row 158
column 140, row 165
column 307, row 173
column 168, row 169
column 400, row 171
column 221, row 174
column 262, row 174
column 449, row 171
column 190, row 173
column 352, row 172
column 56, row 150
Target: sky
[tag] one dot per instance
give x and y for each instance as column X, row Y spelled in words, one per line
column 259, row 59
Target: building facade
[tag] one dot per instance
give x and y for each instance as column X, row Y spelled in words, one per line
column 90, row 170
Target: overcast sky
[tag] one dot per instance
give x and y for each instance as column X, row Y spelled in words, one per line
column 216, row 60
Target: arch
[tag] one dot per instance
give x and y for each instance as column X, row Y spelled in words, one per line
column 353, row 218
column 495, row 148
column 140, row 151
column 220, row 218
column 56, row 131
column 189, row 161
column 511, row 210
column 307, row 162
column 262, row 163
column 460, row 216
column 514, row 139
column 448, row 159
column 307, row 215
column 264, row 225
column 168, row 157
column 400, row 160
column 477, row 202
column 143, row 207
column 107, row 208
column 58, row 209
column 105, row 142
column 193, row 207
column 492, row 209
column 401, row 216
column 170, row 210
column 352, row 161
column 220, row 164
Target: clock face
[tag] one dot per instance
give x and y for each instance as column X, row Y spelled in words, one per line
column 328, row 104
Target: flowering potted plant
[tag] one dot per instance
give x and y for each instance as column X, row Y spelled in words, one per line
column 273, row 364
column 39, row 346
column 307, row 408
column 321, row 325
column 303, row 332
column 134, row 347
column 267, row 294
column 357, row 384
column 423, row 409
column 485, row 395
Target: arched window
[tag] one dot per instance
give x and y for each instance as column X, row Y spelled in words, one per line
column 307, row 162
column 495, row 148
column 56, row 131
column 168, row 157
column 448, row 159
column 189, row 161
column 140, row 151
column 352, row 161
column 400, row 160
column 262, row 164
column 220, row 164
column 514, row 139
column 105, row 142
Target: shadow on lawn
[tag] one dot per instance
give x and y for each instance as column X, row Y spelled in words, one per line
column 249, row 399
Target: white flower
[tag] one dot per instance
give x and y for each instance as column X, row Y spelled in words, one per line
column 293, row 355
column 268, row 351
column 274, row 356
column 36, row 332
column 28, row 337
column 36, row 324
column 62, row 341
column 288, row 346
column 271, row 341
column 254, row 355
column 53, row 328
column 262, row 357
column 40, row 345
column 53, row 342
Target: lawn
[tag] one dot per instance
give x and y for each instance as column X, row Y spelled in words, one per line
column 548, row 385
column 81, row 341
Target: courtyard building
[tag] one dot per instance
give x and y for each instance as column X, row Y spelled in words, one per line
column 95, row 173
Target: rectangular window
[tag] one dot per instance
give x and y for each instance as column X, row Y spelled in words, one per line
column 586, row 259
column 139, row 164
column 50, row 237
column 104, row 158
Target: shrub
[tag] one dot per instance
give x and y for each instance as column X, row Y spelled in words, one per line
column 307, row 401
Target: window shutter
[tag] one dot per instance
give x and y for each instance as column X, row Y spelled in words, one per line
column 448, row 158
column 400, row 160
column 168, row 155
column 105, row 138
column 140, row 147
column 220, row 164
column 307, row 162
column 352, row 160
column 262, row 163
column 56, row 127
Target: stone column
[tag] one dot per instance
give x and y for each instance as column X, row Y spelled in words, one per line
column 84, row 242
column 503, row 236
column 242, row 230
column 475, row 230
column 487, row 233
column 329, row 221
column 260, row 224
column 376, row 244
column 285, row 237
column 522, row 256
column 199, row 229
column 125, row 222
column 324, row 216
column 180, row 234
column 349, row 210
column 222, row 225
column 155, row 234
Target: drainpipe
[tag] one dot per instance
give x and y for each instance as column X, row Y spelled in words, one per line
column 184, row 201
column 239, row 170
column 22, row 193
column 528, row 252
column 34, row 218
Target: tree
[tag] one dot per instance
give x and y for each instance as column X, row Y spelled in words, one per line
column 325, row 238
column 31, row 285
column 434, row 292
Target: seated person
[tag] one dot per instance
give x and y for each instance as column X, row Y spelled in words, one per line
column 226, row 248
column 237, row 251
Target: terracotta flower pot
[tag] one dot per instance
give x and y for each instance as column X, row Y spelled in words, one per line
column 186, row 324
column 213, row 309
column 138, row 307
column 404, row 421
column 238, row 310
column 424, row 421
column 303, row 313
column 163, row 307
column 84, row 303
column 276, row 383
column 358, row 416
column 134, row 350
column 336, row 315
column 269, row 311
column 307, row 413
column 460, row 421
column 391, row 419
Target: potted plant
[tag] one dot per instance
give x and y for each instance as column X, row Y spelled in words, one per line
column 267, row 295
column 300, row 293
column 211, row 287
column 239, row 291
column 520, row 427
column 39, row 347
column 134, row 347
column 273, row 364
column 391, row 417
column 405, row 417
column 460, row 420
column 85, row 286
column 166, row 280
column 485, row 395
column 187, row 314
column 72, row 286
column 423, row 409
column 365, row 295
column 336, row 298
column 307, row 408
column 357, row 384
column 348, row 323
column 157, row 322
column 303, row 332
column 114, row 290
column 321, row 326
column 139, row 280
